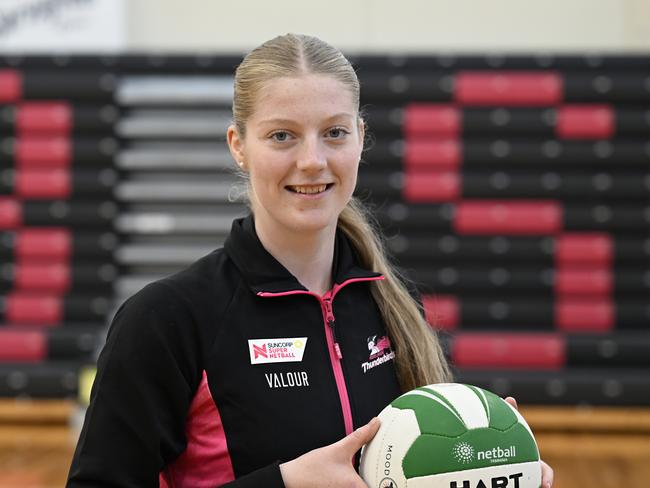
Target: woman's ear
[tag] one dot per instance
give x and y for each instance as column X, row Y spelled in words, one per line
column 236, row 145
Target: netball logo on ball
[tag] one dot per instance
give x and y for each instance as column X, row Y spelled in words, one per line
column 464, row 453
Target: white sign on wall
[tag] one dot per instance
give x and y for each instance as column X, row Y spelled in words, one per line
column 62, row 25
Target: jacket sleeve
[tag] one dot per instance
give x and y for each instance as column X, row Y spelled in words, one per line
column 268, row 477
column 147, row 374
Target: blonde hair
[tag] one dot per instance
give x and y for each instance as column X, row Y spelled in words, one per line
column 418, row 354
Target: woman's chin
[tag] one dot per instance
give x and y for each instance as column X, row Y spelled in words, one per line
column 311, row 222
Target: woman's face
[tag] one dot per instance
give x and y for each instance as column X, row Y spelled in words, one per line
column 301, row 150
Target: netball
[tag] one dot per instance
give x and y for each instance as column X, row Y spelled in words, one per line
column 451, row 435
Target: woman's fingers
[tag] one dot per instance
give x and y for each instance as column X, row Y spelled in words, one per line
column 351, row 443
column 547, row 475
column 512, row 402
column 330, row 466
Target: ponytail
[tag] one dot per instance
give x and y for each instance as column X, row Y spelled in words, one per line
column 418, row 355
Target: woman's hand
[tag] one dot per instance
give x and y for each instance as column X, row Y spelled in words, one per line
column 547, row 471
column 330, row 466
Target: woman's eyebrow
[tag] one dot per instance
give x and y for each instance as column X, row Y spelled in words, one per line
column 280, row 121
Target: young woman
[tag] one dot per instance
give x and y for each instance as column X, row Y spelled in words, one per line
column 252, row 366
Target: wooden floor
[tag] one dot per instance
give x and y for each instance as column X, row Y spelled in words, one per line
column 36, row 443
column 35, row 457
column 604, row 448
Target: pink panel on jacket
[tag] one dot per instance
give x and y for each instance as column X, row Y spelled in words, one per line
column 206, row 460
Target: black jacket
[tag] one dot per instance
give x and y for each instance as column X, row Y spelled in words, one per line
column 201, row 382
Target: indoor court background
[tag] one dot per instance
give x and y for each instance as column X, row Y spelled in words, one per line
column 510, row 170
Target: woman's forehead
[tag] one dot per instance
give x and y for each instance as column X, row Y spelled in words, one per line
column 296, row 96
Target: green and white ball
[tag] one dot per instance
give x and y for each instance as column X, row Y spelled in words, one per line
column 451, row 435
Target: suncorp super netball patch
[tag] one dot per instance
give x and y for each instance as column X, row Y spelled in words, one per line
column 285, row 350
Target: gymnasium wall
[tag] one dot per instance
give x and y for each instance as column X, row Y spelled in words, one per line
column 513, row 190
column 390, row 26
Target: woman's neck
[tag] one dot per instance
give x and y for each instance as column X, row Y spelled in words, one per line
column 307, row 255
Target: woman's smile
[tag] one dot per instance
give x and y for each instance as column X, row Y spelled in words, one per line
column 310, row 191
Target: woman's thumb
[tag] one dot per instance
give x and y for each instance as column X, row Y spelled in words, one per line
column 364, row 434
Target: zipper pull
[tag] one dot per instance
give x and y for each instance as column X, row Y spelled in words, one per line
column 330, row 321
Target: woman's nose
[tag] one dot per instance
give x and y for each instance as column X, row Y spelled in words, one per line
column 311, row 155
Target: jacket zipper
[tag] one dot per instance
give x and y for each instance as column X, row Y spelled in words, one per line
column 329, row 319
column 333, row 346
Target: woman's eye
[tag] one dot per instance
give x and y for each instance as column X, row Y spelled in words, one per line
column 280, row 136
column 337, row 133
